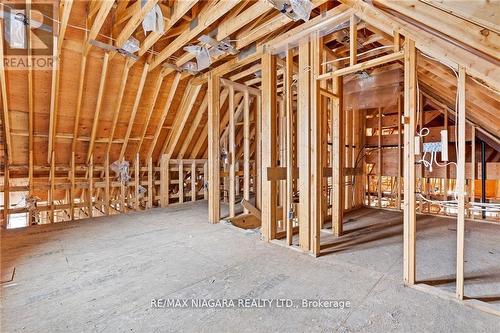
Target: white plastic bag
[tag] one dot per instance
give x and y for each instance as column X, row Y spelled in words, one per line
column 302, row 9
column 201, row 54
column 153, row 21
column 132, row 45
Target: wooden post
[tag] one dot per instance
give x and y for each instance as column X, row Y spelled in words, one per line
column 409, row 216
column 149, row 204
column 398, row 200
column 304, row 144
column 180, row 167
column 246, row 148
column 268, row 149
column 91, row 186
column 72, row 189
column 213, row 148
column 205, row 178
column 353, row 41
column 107, row 185
column 193, row 181
column 164, row 180
column 337, row 136
column 379, row 160
column 460, row 189
column 6, row 192
column 137, row 182
column 473, row 169
column 258, row 149
column 289, row 152
column 316, row 145
column 123, row 200
column 232, row 152
column 52, row 186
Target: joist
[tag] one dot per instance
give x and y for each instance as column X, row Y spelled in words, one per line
column 208, row 16
column 179, row 9
column 134, row 22
column 102, row 14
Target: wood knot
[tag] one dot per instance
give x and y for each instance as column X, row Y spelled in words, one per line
column 485, row 32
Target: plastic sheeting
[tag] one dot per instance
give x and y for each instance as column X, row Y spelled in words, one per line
column 372, row 89
column 15, row 29
column 121, row 170
column 302, row 9
column 132, row 45
column 201, row 54
column 153, row 21
column 142, row 191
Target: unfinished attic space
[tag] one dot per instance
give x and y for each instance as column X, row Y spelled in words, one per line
column 250, row 166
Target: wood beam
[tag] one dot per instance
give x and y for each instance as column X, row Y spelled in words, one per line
column 104, row 9
column 134, row 22
column 232, row 152
column 138, row 96
column 180, row 8
column 460, row 186
column 409, row 216
column 100, row 93
column 156, row 92
column 213, row 148
column 268, row 148
column 180, row 120
column 166, row 109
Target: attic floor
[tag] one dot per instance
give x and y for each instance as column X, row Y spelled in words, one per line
column 101, row 274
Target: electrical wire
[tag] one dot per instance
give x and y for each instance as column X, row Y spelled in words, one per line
column 109, row 38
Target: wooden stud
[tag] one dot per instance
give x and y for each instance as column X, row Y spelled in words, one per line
column 72, row 189
column 460, row 186
column 232, row 153
column 409, row 217
column 213, row 148
column 268, row 148
column 353, row 41
column 316, row 176
column 181, row 181
column 289, row 146
column 164, row 181
column 107, row 182
column 193, row 181
column 473, row 170
column 137, row 176
column 90, row 191
column 379, row 161
column 149, row 204
column 246, row 148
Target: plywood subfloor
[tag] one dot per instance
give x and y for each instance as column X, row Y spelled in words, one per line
column 101, row 274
